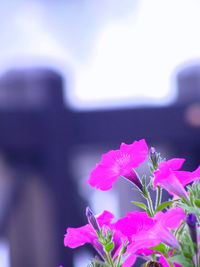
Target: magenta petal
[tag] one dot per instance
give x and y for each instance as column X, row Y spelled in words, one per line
column 76, row 237
column 153, row 237
column 163, row 261
column 117, row 163
column 105, row 218
column 167, row 180
column 165, row 221
column 129, row 261
column 138, row 152
column 172, row 218
column 102, row 177
column 186, row 177
column 133, row 222
column 175, row 164
column 165, row 236
column 168, row 177
column 142, row 240
column 177, row 264
column 145, row 251
column 144, row 232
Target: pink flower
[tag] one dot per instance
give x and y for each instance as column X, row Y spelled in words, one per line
column 160, row 232
column 76, row 237
column 172, row 180
column 145, row 232
column 133, row 223
column 117, row 163
column 170, row 219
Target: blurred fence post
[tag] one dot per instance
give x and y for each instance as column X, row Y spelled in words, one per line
column 35, row 136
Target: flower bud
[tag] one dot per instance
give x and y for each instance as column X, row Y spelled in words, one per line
column 124, row 248
column 154, row 158
column 92, row 220
column 109, row 235
column 133, row 177
column 191, row 221
column 152, row 154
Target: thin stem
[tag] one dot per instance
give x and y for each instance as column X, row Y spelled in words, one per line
column 150, row 204
column 197, row 259
column 109, row 259
column 179, row 230
column 118, row 261
column 197, row 256
column 158, row 196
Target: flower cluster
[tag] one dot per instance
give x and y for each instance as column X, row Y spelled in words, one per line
column 165, row 233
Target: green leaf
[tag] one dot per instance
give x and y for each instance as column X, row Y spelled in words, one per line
column 163, row 205
column 140, row 204
column 197, row 202
column 180, row 259
column 190, row 209
column 160, row 248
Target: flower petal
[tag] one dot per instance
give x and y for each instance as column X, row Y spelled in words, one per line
column 133, row 222
column 175, row 163
column 76, row 237
column 171, row 219
column 186, row 177
column 117, row 163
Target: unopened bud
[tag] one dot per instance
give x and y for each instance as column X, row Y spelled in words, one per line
column 191, row 221
column 152, row 154
column 154, row 157
column 124, row 248
column 109, row 235
column 92, row 220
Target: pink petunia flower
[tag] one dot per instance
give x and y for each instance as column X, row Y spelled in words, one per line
column 145, row 232
column 117, row 163
column 76, row 237
column 133, row 223
column 172, row 180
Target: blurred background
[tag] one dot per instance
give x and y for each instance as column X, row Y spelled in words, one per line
column 77, row 78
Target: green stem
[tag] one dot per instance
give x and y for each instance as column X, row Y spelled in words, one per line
column 118, row 261
column 158, row 196
column 150, row 204
column 197, row 256
column 109, row 259
column 179, row 230
column 197, row 259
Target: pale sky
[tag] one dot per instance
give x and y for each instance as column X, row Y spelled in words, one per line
column 111, row 53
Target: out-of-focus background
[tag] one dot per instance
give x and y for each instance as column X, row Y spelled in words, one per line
column 77, row 78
